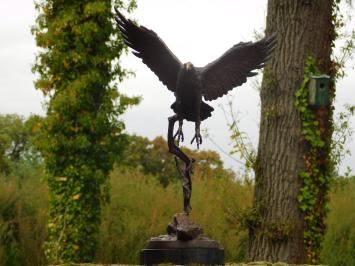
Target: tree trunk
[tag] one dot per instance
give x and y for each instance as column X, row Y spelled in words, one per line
column 304, row 28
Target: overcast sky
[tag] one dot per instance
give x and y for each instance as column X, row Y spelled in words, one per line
column 195, row 30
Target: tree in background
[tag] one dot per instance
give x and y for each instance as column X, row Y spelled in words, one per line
column 293, row 164
column 154, row 158
column 81, row 135
column 16, row 144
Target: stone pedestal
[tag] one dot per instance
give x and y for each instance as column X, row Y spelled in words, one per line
column 167, row 249
column 184, row 244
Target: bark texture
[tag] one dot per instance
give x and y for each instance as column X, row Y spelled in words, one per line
column 303, row 29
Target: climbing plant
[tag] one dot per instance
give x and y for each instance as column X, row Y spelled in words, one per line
column 341, row 18
column 324, row 150
column 343, row 132
column 312, row 196
column 241, row 143
column 81, row 134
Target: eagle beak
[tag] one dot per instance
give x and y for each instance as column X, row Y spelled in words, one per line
column 188, row 66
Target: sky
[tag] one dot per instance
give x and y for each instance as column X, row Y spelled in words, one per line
column 198, row 31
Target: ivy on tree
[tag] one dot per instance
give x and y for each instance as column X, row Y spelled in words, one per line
column 312, row 196
column 81, row 134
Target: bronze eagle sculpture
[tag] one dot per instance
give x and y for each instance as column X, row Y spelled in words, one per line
column 189, row 83
column 192, row 84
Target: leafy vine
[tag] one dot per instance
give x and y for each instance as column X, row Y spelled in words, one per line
column 316, row 176
column 321, row 158
column 82, row 134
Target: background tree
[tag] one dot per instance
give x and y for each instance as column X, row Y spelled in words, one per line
column 154, row 158
column 293, row 163
column 16, row 139
column 81, row 135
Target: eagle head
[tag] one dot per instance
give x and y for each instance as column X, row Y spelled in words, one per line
column 188, row 66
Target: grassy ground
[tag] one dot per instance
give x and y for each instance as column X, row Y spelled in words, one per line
column 230, row 264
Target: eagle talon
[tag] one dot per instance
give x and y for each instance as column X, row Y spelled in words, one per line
column 198, row 139
column 179, row 134
column 197, row 136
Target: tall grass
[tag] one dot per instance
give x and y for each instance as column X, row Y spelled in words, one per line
column 23, row 206
column 140, row 207
column 339, row 242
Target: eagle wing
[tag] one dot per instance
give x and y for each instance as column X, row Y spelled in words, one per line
column 151, row 49
column 234, row 67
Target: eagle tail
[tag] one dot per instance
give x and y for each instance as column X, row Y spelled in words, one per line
column 205, row 111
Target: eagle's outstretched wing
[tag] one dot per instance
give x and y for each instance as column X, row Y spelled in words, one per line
column 151, row 49
column 234, row 67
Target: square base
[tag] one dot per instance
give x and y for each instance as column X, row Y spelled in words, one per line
column 182, row 256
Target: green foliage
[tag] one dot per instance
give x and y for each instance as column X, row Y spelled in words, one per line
column 81, row 135
column 23, row 206
column 319, row 169
column 341, row 135
column 341, row 32
column 339, row 241
column 13, row 136
column 154, row 158
column 151, row 158
column 15, row 143
column 312, row 196
column 241, row 143
column 140, row 208
column 256, row 263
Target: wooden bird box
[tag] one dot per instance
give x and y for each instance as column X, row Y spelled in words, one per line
column 319, row 90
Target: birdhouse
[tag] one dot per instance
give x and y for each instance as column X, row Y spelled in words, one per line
column 319, row 90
